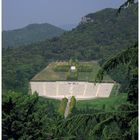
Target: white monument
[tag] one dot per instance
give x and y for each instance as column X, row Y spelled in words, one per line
column 72, row 68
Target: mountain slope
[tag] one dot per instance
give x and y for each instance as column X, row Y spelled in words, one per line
column 102, row 36
column 68, row 27
column 106, row 35
column 30, row 34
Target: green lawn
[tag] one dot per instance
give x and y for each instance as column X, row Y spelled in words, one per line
column 48, row 74
column 109, row 103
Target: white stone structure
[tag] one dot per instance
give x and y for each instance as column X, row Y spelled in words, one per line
column 72, row 68
column 86, row 20
column 81, row 90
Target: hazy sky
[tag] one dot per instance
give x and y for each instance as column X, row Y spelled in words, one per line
column 19, row 13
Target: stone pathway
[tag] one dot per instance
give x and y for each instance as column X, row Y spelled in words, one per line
column 67, row 108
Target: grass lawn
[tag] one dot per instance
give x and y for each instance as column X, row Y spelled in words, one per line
column 109, row 103
column 48, row 74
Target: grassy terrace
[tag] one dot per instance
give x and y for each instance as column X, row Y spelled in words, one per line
column 49, row 74
column 107, row 103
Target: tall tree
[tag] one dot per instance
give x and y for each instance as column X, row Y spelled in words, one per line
column 129, row 57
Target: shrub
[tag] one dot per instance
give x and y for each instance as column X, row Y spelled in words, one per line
column 62, row 106
column 85, row 68
column 61, row 68
column 72, row 104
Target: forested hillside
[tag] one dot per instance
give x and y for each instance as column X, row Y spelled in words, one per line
column 33, row 117
column 30, row 34
column 105, row 34
column 98, row 39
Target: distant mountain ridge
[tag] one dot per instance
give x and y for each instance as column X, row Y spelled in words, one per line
column 103, row 34
column 30, row 34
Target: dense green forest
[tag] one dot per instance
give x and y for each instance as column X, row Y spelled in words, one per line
column 98, row 40
column 113, row 43
column 33, row 117
column 30, row 34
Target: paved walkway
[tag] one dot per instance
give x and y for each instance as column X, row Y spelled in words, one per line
column 67, row 108
column 81, row 90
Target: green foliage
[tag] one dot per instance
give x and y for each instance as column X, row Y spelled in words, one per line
column 72, row 104
column 85, row 68
column 133, row 88
column 23, row 117
column 49, row 74
column 72, row 75
column 73, row 62
column 62, row 106
column 128, row 3
column 32, row 117
column 129, row 57
column 111, row 132
column 30, row 34
column 115, row 90
column 134, row 128
column 121, row 74
column 110, row 103
column 99, row 127
column 62, row 68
